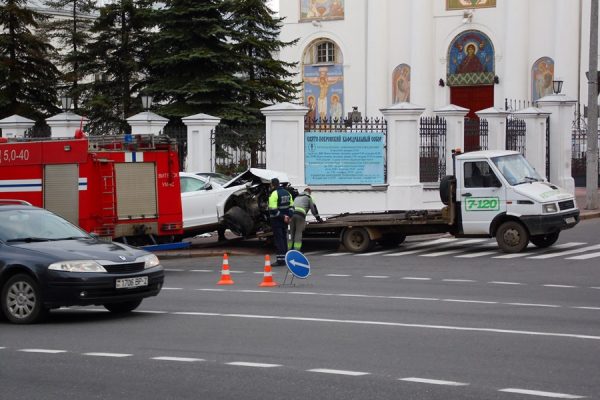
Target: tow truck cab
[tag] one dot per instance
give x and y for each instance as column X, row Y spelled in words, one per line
column 498, row 193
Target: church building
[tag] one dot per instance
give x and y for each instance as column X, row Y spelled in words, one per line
column 371, row 54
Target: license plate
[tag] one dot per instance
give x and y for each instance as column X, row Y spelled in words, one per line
column 128, row 283
column 570, row 220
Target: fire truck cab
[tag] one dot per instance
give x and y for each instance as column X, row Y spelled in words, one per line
column 118, row 187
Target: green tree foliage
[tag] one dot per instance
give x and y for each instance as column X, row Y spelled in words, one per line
column 194, row 69
column 71, row 35
column 255, row 41
column 27, row 77
column 117, row 58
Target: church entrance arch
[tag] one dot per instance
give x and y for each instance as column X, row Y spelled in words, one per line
column 470, row 76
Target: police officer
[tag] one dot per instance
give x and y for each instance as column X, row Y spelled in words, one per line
column 303, row 203
column 280, row 209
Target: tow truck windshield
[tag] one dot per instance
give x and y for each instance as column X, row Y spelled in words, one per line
column 516, row 170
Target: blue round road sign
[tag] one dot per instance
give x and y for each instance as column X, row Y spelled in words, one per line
column 297, row 263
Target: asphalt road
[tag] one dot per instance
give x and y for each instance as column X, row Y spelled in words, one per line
column 433, row 319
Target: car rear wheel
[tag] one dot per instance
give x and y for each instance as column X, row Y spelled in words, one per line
column 22, row 301
column 123, row 307
column 543, row 241
column 238, row 221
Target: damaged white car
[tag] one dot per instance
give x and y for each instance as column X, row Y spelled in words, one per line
column 212, row 202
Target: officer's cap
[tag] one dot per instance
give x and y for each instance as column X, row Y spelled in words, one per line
column 275, row 182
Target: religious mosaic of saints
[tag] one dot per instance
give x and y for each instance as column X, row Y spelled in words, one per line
column 542, row 75
column 471, row 60
column 324, row 92
column 401, row 84
column 468, row 4
column 311, row 10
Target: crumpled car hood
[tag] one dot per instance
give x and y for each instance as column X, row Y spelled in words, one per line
column 257, row 175
column 542, row 191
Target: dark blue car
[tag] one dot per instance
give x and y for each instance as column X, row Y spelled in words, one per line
column 46, row 262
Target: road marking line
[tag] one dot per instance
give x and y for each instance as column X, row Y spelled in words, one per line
column 415, row 278
column 376, row 276
column 526, row 254
column 401, row 325
column 118, row 355
column 337, row 254
column 443, row 241
column 202, row 270
column 433, row 381
column 338, row 372
column 585, row 256
column 151, row 312
column 251, row 364
column 48, row 351
column 470, row 301
column 172, row 288
column 458, row 280
column 565, row 253
column 375, row 253
column 174, row 269
column 2, row 348
column 533, row 305
column 237, row 272
column 478, row 254
column 595, row 287
column 504, row 283
column 338, row 275
column 212, row 290
column 560, row 286
column 253, row 291
column 442, row 253
column 182, row 359
column 540, row 393
column 587, row 308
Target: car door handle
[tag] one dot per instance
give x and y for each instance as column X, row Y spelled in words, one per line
column 467, row 194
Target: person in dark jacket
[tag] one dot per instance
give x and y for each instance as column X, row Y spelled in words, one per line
column 303, row 203
column 280, row 210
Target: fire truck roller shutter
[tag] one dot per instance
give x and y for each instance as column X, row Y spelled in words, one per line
column 61, row 190
column 136, row 190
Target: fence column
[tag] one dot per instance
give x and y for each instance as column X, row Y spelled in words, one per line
column 146, row 123
column 561, row 119
column 200, row 148
column 403, row 142
column 455, row 130
column 285, row 140
column 496, row 119
column 65, row 124
column 535, row 137
column 15, row 126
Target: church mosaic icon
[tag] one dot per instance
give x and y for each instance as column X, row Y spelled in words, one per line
column 471, row 60
column 468, row 4
column 314, row 10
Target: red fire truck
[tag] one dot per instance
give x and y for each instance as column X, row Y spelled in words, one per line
column 119, row 187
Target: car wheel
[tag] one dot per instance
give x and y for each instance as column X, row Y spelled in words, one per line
column 543, row 241
column 512, row 237
column 22, row 301
column 123, row 307
column 238, row 221
column 357, row 240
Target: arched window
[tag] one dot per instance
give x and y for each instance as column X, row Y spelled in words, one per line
column 323, row 76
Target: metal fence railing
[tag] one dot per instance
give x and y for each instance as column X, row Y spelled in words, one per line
column 432, row 150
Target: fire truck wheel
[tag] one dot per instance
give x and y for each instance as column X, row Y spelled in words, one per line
column 123, row 307
column 238, row 221
column 22, row 301
column 512, row 237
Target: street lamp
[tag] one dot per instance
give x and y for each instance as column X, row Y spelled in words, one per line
column 146, row 101
column 557, row 86
column 66, row 102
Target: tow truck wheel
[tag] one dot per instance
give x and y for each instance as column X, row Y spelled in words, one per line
column 357, row 240
column 392, row 240
column 512, row 237
column 543, row 241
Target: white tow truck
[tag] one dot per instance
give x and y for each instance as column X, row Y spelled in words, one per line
column 493, row 193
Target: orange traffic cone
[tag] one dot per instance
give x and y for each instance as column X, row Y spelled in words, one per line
column 268, row 276
column 225, row 276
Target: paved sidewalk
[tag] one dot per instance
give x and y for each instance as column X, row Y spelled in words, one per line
column 580, row 194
